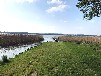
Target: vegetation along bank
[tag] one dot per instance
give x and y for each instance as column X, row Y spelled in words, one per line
column 55, row 59
column 15, row 40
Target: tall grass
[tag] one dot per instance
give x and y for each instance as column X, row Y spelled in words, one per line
column 12, row 40
column 81, row 39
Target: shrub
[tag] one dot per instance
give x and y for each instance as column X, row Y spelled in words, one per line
column 4, row 59
column 78, row 42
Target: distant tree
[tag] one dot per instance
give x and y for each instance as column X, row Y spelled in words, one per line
column 90, row 8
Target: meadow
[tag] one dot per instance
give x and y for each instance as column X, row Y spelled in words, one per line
column 55, row 59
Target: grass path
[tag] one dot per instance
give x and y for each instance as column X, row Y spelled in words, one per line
column 55, row 59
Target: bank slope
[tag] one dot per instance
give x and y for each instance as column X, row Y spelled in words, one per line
column 55, row 59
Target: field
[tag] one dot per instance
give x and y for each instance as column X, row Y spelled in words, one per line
column 55, row 59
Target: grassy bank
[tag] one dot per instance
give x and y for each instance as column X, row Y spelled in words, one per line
column 55, row 59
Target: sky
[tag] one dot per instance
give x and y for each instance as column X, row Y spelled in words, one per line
column 46, row 16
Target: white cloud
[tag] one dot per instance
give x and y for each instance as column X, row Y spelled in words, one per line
column 2, row 2
column 56, row 6
column 5, row 3
column 54, row 2
column 65, row 21
column 22, row 1
column 59, row 8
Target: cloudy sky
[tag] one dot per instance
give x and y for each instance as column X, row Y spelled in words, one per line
column 45, row 16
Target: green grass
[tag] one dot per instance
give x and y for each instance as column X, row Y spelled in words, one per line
column 55, row 59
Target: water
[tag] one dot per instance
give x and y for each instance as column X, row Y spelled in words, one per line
column 13, row 51
column 50, row 37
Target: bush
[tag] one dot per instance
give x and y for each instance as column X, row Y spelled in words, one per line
column 4, row 59
column 78, row 42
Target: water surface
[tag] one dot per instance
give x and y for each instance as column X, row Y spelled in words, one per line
column 12, row 51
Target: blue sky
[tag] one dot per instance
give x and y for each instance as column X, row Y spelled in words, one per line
column 45, row 16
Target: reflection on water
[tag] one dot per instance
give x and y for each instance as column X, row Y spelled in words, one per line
column 11, row 52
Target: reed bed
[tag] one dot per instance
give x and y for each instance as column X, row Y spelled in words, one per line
column 15, row 40
column 81, row 39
